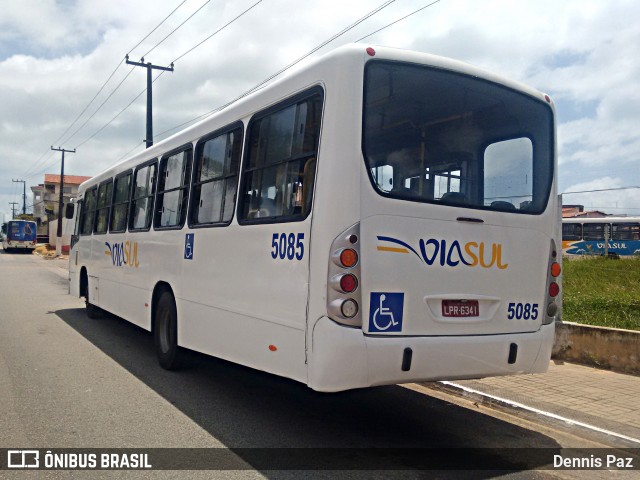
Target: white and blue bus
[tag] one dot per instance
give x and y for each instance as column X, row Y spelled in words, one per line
column 19, row 235
column 378, row 217
column 618, row 236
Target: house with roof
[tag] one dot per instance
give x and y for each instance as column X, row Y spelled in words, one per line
column 46, row 197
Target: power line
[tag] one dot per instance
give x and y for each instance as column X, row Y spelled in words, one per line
column 157, row 26
column 271, row 77
column 217, row 31
column 601, row 190
column 399, row 20
column 98, row 93
column 119, row 113
column 174, row 30
column 180, row 57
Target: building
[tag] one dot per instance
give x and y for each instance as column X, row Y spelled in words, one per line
column 47, row 195
column 571, row 211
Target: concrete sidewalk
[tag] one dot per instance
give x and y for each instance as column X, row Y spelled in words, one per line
column 599, row 398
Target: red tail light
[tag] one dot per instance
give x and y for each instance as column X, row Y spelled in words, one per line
column 553, row 285
column 343, row 296
column 348, row 283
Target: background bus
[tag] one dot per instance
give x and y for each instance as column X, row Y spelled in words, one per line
column 378, row 217
column 586, row 236
column 20, row 235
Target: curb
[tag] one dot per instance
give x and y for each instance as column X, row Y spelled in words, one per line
column 525, row 411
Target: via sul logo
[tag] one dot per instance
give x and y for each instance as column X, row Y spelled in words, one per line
column 123, row 253
column 470, row 254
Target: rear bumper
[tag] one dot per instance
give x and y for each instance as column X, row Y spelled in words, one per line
column 343, row 358
column 16, row 246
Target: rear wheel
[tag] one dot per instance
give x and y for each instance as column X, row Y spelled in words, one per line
column 165, row 331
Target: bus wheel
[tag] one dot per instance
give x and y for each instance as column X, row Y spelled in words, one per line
column 165, row 331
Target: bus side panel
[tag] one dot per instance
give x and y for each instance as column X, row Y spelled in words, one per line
column 242, row 339
column 243, row 291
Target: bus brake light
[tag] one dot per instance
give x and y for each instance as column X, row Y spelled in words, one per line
column 555, row 269
column 348, row 283
column 554, row 289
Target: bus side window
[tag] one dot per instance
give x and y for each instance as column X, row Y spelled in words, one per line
column 79, row 211
column 120, row 208
column 279, row 171
column 626, row 231
column 593, row 231
column 103, row 208
column 88, row 212
column 144, row 183
column 572, row 231
column 215, row 179
column 173, row 190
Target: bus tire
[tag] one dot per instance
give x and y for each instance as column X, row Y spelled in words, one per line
column 165, row 331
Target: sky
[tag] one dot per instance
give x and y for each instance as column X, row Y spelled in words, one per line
column 55, row 57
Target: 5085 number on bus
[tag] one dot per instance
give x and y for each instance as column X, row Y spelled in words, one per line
column 287, row 246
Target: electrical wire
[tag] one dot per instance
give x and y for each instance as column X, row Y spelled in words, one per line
column 175, row 29
column 162, row 72
column 279, row 72
column 217, row 31
column 40, row 159
column 602, row 190
column 398, row 20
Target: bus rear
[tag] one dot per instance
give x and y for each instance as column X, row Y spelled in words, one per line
column 451, row 270
column 21, row 235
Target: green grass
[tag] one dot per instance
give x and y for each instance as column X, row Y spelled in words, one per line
column 603, row 292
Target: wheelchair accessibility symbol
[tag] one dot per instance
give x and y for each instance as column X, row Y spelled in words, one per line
column 385, row 312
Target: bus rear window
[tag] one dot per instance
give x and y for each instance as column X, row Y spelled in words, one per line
column 435, row 136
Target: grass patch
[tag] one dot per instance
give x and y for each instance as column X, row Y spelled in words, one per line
column 603, row 292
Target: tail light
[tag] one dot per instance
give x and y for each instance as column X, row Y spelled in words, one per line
column 33, row 242
column 343, row 294
column 553, row 285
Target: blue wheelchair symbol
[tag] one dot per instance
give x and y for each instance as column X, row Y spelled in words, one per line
column 385, row 312
column 188, row 246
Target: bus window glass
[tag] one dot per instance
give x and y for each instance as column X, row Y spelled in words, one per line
column 88, row 212
column 120, row 203
column 103, row 206
column 435, row 136
column 173, row 190
column 571, row 231
column 508, row 167
column 77, row 225
column 593, row 231
column 216, row 179
column 142, row 201
column 625, row 231
column 278, row 182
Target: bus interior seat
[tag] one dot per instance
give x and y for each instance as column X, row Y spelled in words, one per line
column 455, row 198
column 502, row 205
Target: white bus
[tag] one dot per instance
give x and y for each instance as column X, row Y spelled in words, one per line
column 378, row 217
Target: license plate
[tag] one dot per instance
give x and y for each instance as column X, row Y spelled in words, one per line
column 460, row 308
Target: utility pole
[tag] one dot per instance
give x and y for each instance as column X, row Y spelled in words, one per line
column 24, row 195
column 13, row 209
column 60, row 200
column 149, row 67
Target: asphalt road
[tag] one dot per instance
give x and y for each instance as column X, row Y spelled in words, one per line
column 70, row 382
